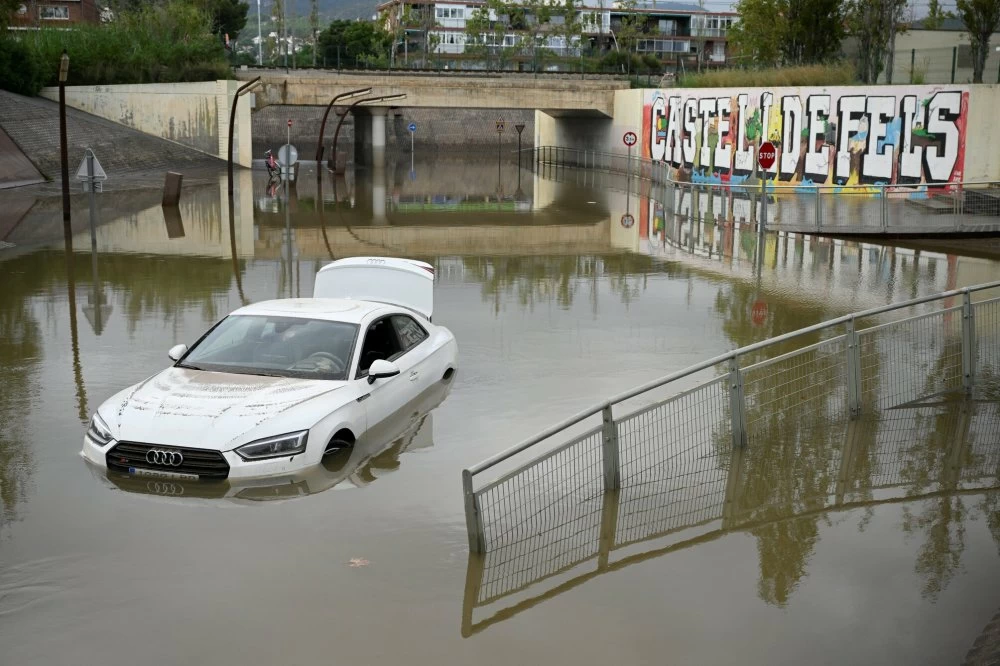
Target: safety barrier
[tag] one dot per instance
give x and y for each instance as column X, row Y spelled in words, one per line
column 877, row 209
column 862, row 363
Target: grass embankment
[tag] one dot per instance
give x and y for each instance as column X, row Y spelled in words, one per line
column 842, row 74
column 155, row 44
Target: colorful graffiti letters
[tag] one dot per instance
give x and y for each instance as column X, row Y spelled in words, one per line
column 833, row 136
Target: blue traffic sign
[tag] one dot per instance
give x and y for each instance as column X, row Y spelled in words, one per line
column 412, row 127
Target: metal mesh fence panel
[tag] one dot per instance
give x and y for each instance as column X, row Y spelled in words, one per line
column 911, row 358
column 808, row 383
column 982, row 461
column 987, row 345
column 540, row 516
column 674, row 458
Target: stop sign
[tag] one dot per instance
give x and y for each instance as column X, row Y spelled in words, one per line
column 758, row 313
column 766, row 155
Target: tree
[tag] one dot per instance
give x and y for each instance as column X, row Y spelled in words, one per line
column 354, row 42
column 485, row 33
column 783, row 32
column 228, row 16
column 760, row 32
column 278, row 19
column 7, row 10
column 631, row 26
column 874, row 24
column 936, row 15
column 981, row 18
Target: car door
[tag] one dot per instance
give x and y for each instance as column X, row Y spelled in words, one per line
column 387, row 395
column 413, row 339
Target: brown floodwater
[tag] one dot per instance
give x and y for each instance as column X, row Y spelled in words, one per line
column 873, row 543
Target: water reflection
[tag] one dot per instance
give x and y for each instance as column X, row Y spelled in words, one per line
column 784, row 489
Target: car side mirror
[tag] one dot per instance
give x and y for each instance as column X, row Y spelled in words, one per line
column 177, row 351
column 381, row 369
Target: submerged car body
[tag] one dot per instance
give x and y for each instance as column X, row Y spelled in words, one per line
column 275, row 386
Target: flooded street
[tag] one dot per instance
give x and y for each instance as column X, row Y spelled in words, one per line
column 558, row 299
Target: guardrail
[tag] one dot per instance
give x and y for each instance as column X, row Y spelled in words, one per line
column 877, row 209
column 843, row 367
column 897, row 456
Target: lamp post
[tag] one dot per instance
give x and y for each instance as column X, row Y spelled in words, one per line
column 246, row 87
column 63, row 74
column 347, row 95
column 260, row 42
column 336, row 133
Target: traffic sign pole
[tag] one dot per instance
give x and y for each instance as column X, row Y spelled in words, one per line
column 766, row 155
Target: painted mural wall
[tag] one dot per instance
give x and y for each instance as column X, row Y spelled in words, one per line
column 911, row 136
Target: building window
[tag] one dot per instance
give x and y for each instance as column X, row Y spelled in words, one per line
column 449, row 12
column 52, row 13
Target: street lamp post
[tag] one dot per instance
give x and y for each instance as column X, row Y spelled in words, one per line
column 63, row 74
column 365, row 100
column 260, row 42
column 322, row 127
column 246, row 87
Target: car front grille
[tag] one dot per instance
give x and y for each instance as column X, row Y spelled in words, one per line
column 206, row 464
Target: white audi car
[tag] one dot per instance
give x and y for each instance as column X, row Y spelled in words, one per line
column 275, row 386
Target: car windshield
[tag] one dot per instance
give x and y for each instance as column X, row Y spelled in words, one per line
column 275, row 347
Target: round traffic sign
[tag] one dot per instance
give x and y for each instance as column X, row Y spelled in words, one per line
column 766, row 155
column 758, row 313
column 627, row 220
column 289, row 122
column 287, row 155
column 412, row 127
column 630, row 139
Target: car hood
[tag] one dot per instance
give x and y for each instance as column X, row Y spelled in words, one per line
column 213, row 410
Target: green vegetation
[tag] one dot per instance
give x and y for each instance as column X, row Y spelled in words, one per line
column 780, row 32
column 805, row 75
column 981, row 18
column 155, row 43
column 354, row 43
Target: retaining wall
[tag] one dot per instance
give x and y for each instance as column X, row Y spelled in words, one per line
column 191, row 114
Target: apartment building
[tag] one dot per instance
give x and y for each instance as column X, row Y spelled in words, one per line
column 55, row 13
column 669, row 30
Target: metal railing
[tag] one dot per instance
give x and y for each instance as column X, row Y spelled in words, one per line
column 792, row 477
column 865, row 362
column 921, row 209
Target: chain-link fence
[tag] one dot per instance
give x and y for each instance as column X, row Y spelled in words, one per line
column 947, row 64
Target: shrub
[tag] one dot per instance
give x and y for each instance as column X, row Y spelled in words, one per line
column 155, row 44
column 806, row 75
column 19, row 72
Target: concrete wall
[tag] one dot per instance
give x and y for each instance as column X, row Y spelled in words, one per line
column 922, row 133
column 195, row 115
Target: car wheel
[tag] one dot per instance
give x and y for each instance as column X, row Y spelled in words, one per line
column 337, row 444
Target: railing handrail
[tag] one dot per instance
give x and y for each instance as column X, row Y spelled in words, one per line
column 771, row 186
column 703, row 365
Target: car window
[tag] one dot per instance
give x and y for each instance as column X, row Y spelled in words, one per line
column 410, row 332
column 381, row 343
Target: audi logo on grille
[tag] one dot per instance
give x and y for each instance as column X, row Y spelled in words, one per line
column 164, row 457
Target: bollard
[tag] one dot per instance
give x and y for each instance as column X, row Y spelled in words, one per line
column 172, row 188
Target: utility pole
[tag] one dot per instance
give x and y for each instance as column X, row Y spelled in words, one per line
column 260, row 42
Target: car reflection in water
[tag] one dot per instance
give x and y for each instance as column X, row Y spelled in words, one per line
column 375, row 454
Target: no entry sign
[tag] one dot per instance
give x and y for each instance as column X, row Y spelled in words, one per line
column 766, row 155
column 630, row 139
column 758, row 313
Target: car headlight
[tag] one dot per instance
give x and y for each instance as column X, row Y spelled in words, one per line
column 274, row 447
column 99, row 432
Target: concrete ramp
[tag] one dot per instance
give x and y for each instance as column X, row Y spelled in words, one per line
column 15, row 167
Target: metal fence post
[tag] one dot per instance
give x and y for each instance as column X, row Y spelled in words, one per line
column 968, row 343
column 609, row 450
column 819, row 209
column 472, row 519
column 884, row 209
column 737, row 404
column 853, row 371
column 954, row 61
